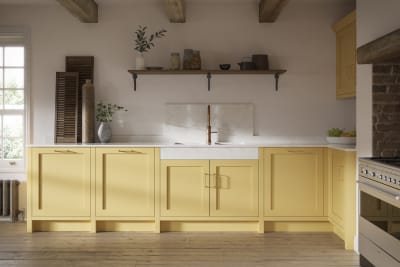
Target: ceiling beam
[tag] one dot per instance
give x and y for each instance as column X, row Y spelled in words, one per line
column 85, row 10
column 269, row 10
column 385, row 49
column 176, row 10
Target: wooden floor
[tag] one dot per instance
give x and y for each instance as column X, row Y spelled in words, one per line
column 18, row 248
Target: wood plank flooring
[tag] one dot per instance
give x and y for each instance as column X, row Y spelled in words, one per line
column 18, row 248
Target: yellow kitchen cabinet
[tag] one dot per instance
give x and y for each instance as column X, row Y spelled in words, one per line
column 336, row 201
column 342, row 194
column 234, row 188
column 60, row 182
column 185, row 187
column 293, row 182
column 209, row 188
column 124, row 182
column 346, row 56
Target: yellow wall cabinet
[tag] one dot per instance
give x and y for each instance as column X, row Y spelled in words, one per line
column 209, row 188
column 293, row 182
column 346, row 56
column 60, row 182
column 124, row 182
column 342, row 194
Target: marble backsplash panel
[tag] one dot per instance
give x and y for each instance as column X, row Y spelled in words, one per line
column 187, row 123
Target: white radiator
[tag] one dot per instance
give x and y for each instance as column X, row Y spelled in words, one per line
column 8, row 200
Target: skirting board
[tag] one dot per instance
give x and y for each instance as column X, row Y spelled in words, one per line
column 125, row 226
column 61, row 226
column 298, row 227
column 194, row 226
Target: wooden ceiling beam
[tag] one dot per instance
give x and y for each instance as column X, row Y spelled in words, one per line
column 269, row 10
column 85, row 10
column 385, row 49
column 176, row 10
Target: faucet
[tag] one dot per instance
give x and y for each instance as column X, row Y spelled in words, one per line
column 209, row 125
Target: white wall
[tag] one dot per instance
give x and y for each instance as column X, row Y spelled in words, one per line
column 301, row 41
column 374, row 19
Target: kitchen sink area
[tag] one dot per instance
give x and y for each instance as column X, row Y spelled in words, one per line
column 215, row 152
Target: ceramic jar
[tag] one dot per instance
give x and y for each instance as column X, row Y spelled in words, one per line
column 175, row 61
column 196, row 60
column 187, row 59
column 140, row 62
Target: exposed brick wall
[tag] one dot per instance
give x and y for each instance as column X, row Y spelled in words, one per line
column 386, row 110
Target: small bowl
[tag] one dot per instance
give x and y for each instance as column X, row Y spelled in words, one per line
column 224, row 66
column 341, row 140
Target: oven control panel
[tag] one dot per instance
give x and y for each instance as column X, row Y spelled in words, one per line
column 380, row 173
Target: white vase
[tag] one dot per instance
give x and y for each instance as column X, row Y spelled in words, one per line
column 140, row 62
column 104, row 132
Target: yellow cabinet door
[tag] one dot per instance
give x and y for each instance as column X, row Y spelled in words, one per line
column 60, row 180
column 346, row 56
column 337, row 186
column 342, row 194
column 185, row 188
column 234, row 188
column 124, row 182
column 293, row 180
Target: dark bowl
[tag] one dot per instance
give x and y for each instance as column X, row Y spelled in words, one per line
column 224, row 66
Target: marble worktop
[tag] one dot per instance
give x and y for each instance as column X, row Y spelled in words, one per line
column 254, row 142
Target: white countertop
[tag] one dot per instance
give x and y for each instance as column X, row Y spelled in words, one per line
column 226, row 145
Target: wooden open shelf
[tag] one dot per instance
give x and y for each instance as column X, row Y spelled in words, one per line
column 208, row 74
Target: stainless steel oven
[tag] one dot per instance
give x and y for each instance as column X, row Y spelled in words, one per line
column 379, row 218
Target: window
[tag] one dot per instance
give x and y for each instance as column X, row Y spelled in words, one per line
column 12, row 100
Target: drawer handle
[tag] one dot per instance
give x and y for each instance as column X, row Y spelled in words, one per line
column 65, row 151
column 130, row 151
column 296, row 151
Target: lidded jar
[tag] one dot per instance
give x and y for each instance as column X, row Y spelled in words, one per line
column 187, row 59
column 175, row 61
column 196, row 60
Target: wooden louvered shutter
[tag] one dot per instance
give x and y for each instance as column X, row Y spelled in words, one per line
column 66, row 123
column 83, row 65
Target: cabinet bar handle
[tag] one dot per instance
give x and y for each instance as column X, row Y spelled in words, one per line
column 215, row 185
column 130, row 151
column 64, row 151
column 40, row 189
column 296, row 151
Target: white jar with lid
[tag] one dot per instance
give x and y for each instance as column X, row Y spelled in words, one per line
column 175, row 61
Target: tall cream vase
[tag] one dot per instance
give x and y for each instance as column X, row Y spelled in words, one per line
column 88, row 112
column 140, row 62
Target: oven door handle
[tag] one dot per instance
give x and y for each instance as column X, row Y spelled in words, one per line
column 383, row 194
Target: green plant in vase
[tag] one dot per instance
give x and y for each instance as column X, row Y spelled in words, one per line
column 104, row 115
column 144, row 44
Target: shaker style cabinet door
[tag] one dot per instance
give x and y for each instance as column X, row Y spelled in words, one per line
column 234, row 188
column 293, row 182
column 185, row 188
column 124, row 182
column 60, row 182
column 346, row 56
column 341, row 166
column 337, row 187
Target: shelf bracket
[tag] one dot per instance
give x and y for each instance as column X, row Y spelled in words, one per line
column 134, row 75
column 209, row 80
column 276, row 81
